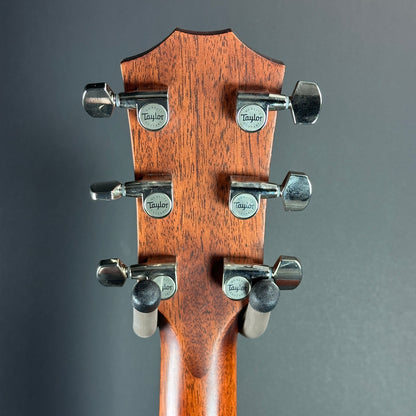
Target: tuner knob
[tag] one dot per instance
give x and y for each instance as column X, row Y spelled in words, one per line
column 107, row 191
column 296, row 191
column 287, row 272
column 99, row 100
column 304, row 104
column 156, row 193
column 262, row 284
column 112, row 272
column 245, row 194
column 156, row 281
column 151, row 107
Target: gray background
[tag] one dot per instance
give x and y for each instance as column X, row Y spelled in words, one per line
column 343, row 342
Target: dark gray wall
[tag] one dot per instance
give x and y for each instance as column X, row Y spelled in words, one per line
column 342, row 343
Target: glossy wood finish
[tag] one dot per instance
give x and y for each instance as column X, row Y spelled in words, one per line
column 201, row 147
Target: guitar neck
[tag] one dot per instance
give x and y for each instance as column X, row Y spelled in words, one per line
column 196, row 390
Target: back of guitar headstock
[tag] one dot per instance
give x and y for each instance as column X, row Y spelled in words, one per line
column 200, row 109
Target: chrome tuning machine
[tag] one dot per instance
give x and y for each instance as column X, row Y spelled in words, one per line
column 262, row 284
column 152, row 107
column 245, row 193
column 304, row 104
column 156, row 192
column 156, row 281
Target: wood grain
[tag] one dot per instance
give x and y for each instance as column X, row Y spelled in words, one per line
column 201, row 147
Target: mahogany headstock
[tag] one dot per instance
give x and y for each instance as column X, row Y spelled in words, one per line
column 200, row 147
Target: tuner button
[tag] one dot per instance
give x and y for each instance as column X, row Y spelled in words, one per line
column 296, row 191
column 99, row 100
column 146, row 296
column 287, row 272
column 264, row 295
column 106, row 191
column 112, row 272
column 306, row 101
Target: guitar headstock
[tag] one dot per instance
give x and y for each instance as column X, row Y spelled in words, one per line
column 200, row 108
